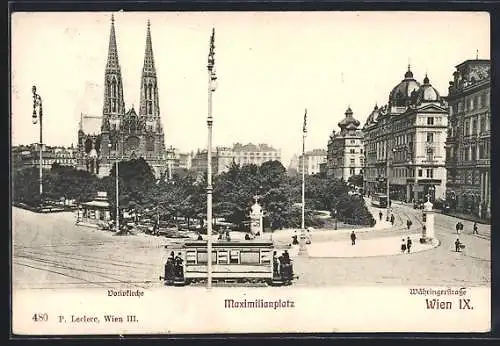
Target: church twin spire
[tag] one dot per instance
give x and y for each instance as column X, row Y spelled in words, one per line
column 113, row 86
column 149, row 104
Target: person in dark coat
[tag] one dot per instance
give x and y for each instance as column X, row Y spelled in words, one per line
column 403, row 246
column 457, row 245
column 178, row 264
column 474, row 229
column 353, row 238
column 380, row 215
column 408, row 244
column 276, row 264
column 457, row 227
column 408, row 223
column 392, row 219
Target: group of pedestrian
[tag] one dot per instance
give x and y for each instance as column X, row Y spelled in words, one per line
column 460, row 227
column 406, row 245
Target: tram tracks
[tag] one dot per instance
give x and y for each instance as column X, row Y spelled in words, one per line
column 88, row 269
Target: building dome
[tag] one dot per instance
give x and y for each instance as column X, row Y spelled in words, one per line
column 401, row 94
column 427, row 93
column 349, row 122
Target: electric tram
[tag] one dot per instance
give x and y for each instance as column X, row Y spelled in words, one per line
column 238, row 261
column 379, row 200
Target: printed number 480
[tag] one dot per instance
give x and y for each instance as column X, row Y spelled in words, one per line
column 40, row 317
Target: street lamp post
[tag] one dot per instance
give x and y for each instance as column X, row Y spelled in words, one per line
column 37, row 102
column 212, row 78
column 117, row 192
column 302, row 242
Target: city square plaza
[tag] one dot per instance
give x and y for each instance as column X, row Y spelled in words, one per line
column 50, row 251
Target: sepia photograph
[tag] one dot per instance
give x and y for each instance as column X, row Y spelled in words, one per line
column 334, row 166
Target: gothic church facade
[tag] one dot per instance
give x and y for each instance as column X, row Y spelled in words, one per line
column 124, row 134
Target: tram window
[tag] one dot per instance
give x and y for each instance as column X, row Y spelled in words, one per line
column 234, row 257
column 222, row 257
column 265, row 257
column 191, row 257
column 248, row 257
column 202, row 257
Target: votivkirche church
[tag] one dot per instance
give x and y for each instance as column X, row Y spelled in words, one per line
column 124, row 134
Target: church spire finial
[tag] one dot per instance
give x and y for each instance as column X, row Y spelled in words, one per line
column 112, row 62
column 149, row 64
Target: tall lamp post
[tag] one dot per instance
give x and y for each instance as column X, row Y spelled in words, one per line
column 37, row 102
column 117, row 192
column 302, row 242
column 212, row 79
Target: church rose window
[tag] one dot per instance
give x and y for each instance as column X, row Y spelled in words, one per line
column 132, row 143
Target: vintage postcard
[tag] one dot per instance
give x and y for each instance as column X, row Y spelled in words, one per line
column 335, row 166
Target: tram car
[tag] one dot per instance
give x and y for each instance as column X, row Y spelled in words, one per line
column 379, row 200
column 233, row 262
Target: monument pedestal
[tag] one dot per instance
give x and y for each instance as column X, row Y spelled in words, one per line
column 256, row 226
column 428, row 231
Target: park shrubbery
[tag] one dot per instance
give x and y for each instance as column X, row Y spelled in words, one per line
column 185, row 196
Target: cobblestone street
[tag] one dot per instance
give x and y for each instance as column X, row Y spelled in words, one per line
column 49, row 251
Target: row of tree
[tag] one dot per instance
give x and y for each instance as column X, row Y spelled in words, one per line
column 185, row 195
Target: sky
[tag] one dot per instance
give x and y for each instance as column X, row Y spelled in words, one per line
column 271, row 66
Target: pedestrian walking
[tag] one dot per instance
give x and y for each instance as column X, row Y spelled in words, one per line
column 408, row 244
column 474, row 229
column 380, row 215
column 408, row 223
column 392, row 219
column 457, row 227
column 403, row 246
column 457, row 245
column 353, row 238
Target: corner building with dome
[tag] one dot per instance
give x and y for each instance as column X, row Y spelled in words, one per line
column 345, row 149
column 404, row 141
column 124, row 134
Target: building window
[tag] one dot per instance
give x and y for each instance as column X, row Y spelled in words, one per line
column 473, row 153
column 430, row 121
column 430, row 137
column 474, row 126
column 353, row 171
column 429, row 173
column 352, row 151
column 352, row 161
column 419, row 172
column 353, row 141
column 466, row 128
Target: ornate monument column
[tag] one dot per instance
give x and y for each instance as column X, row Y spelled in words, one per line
column 256, row 214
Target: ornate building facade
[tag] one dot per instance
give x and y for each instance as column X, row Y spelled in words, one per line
column 405, row 142
column 125, row 134
column 468, row 160
column 345, row 149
